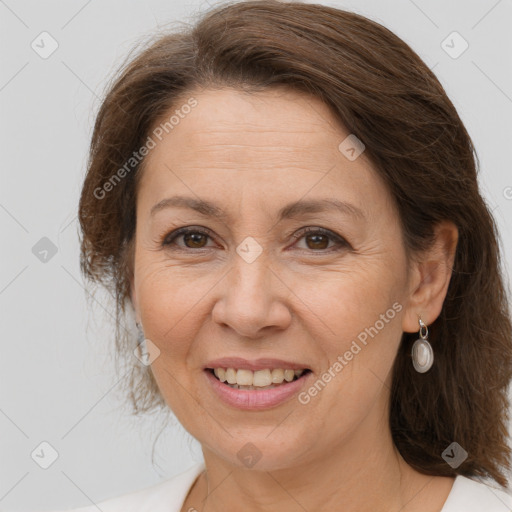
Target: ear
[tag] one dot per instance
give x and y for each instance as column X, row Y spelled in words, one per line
column 430, row 278
column 130, row 272
column 133, row 297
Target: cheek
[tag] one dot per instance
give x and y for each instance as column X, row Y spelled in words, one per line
column 172, row 303
column 359, row 327
column 352, row 297
column 170, row 308
column 354, row 380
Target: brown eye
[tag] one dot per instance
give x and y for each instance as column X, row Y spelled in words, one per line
column 192, row 238
column 317, row 239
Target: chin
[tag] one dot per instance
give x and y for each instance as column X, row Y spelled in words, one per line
column 257, row 449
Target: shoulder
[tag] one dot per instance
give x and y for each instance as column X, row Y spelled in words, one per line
column 165, row 496
column 472, row 495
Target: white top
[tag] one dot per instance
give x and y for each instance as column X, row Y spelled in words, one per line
column 467, row 495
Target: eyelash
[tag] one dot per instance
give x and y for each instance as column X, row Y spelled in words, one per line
column 170, row 238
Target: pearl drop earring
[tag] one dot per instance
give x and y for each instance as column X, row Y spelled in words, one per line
column 422, row 352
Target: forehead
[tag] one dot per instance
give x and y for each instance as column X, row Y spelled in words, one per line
column 275, row 143
column 269, row 126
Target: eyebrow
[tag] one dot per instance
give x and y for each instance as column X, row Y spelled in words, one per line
column 292, row 210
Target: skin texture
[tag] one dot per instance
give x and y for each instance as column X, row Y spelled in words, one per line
column 303, row 300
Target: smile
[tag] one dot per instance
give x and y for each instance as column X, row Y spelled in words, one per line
column 256, row 390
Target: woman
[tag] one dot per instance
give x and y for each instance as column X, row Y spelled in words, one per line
column 286, row 202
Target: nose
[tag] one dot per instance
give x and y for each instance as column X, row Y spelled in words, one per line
column 253, row 299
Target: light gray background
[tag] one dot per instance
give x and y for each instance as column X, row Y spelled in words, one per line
column 57, row 382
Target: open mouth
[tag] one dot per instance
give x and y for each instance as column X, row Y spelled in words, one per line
column 257, row 380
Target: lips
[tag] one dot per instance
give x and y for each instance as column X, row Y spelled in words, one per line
column 254, row 398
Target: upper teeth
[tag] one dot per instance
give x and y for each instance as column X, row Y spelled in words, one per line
column 259, row 378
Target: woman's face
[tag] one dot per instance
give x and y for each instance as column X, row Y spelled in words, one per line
column 251, row 283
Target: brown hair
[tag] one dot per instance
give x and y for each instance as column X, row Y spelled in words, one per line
column 381, row 91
